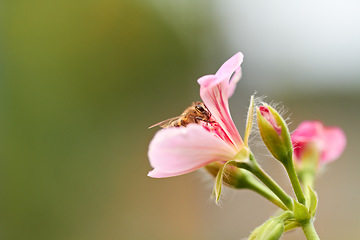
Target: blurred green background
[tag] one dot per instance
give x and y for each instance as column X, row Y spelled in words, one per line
column 82, row 80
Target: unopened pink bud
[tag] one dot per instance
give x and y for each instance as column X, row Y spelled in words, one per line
column 264, row 110
column 275, row 133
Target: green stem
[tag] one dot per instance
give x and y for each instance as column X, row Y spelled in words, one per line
column 253, row 167
column 310, row 231
column 265, row 192
column 290, row 169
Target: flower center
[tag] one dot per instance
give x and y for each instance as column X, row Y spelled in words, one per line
column 215, row 128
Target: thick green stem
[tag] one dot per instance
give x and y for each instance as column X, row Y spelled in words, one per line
column 310, row 231
column 255, row 169
column 295, row 182
column 265, row 192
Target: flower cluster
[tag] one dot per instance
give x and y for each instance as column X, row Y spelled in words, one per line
column 206, row 136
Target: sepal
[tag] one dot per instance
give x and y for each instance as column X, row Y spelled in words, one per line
column 301, row 213
column 249, row 121
column 313, row 202
column 219, row 181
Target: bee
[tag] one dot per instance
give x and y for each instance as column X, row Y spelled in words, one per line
column 196, row 113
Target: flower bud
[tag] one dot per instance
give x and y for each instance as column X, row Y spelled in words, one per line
column 275, row 133
column 234, row 177
column 272, row 229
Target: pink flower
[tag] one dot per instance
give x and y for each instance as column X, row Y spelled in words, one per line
column 328, row 141
column 179, row 150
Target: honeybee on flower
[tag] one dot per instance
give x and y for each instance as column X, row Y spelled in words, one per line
column 210, row 134
column 196, row 113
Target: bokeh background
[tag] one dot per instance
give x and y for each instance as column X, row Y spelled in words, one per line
column 82, row 80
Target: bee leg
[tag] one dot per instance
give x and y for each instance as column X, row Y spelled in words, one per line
column 183, row 123
column 198, row 119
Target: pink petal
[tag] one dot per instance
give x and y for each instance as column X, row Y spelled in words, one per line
column 299, row 148
column 215, row 91
column 229, row 67
column 307, row 131
column 233, row 81
column 334, row 144
column 176, row 151
column 209, row 80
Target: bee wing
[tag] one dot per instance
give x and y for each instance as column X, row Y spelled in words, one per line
column 166, row 122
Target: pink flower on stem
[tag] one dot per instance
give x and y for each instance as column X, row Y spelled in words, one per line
column 328, row 141
column 179, row 150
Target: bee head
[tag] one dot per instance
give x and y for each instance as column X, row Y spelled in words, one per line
column 200, row 108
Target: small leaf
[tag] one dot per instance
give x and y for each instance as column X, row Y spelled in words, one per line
column 313, row 202
column 301, row 213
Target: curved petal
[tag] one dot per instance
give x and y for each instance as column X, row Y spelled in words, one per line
column 215, row 91
column 227, row 69
column 334, row 144
column 176, row 151
column 233, row 81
